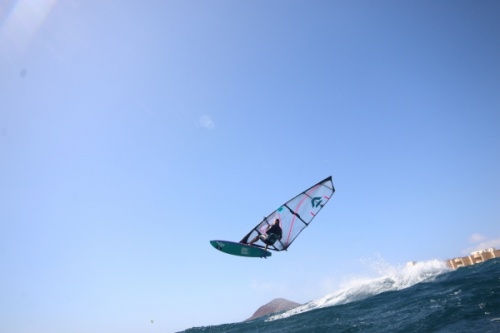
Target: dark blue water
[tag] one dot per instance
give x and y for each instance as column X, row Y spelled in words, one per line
column 423, row 298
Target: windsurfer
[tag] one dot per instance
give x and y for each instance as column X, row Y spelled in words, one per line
column 272, row 234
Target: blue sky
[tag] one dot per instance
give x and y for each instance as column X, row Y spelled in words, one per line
column 133, row 132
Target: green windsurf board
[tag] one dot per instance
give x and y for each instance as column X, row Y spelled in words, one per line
column 239, row 249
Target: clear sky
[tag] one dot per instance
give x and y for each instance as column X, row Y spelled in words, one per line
column 134, row 132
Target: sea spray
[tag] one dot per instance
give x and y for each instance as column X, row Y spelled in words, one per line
column 390, row 278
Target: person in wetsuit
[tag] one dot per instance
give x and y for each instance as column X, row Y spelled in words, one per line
column 273, row 233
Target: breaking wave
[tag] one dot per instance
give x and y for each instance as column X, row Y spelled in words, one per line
column 389, row 279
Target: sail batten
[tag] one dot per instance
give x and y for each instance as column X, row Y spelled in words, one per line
column 295, row 214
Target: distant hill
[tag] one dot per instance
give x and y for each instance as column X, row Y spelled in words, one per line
column 276, row 305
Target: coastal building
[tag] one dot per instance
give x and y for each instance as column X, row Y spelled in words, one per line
column 474, row 258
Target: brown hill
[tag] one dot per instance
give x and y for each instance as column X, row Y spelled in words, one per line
column 276, row 305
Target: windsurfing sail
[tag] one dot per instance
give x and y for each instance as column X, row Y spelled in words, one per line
column 294, row 215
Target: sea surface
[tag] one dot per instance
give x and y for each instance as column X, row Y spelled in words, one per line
column 426, row 297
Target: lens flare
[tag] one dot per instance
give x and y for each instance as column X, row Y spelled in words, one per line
column 24, row 20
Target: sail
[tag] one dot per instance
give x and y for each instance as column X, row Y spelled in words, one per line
column 294, row 215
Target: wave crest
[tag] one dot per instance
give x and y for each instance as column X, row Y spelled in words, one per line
column 389, row 279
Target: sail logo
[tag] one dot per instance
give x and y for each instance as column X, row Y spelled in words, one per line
column 316, row 202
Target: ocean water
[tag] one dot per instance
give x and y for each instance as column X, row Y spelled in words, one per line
column 426, row 297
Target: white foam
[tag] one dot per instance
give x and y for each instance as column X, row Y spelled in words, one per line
column 389, row 279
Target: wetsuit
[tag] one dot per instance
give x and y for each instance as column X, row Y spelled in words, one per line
column 272, row 234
